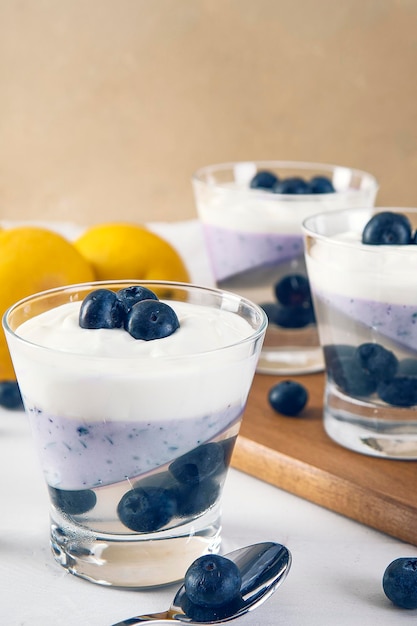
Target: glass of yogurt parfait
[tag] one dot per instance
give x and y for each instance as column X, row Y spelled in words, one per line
column 362, row 266
column 251, row 214
column 135, row 393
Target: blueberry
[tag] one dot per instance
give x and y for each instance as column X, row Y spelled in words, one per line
column 271, row 310
column 10, row 396
column 380, row 363
column 73, row 502
column 351, row 378
column 203, row 462
column 292, row 185
column 130, row 295
column 293, row 316
column 288, row 397
column 334, row 352
column 210, row 614
column 212, row 581
column 321, row 184
column 151, row 319
column 228, row 446
column 263, row 180
column 147, row 509
column 387, row 228
column 194, row 499
column 293, row 290
column 101, row 309
column 163, row 480
column 399, row 391
column 400, row 582
column 407, row 367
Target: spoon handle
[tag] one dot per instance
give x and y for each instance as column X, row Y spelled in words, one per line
column 141, row 619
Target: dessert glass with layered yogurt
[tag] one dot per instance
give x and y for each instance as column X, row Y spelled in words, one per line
column 365, row 299
column 254, row 242
column 134, row 436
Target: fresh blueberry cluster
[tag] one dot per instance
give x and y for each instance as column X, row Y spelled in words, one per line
column 189, row 486
column 294, row 306
column 368, row 369
column 288, row 397
column 212, row 589
column 136, row 308
column 269, row 181
column 399, row 582
column 389, row 228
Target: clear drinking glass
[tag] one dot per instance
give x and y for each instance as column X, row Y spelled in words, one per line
column 120, row 432
column 254, row 241
column 366, row 306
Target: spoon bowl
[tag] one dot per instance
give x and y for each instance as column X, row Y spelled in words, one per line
column 263, row 568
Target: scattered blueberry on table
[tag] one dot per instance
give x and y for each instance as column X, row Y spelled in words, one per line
column 399, row 582
column 10, row 396
column 136, row 308
column 288, row 397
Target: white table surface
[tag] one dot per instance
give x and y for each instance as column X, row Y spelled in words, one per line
column 335, row 579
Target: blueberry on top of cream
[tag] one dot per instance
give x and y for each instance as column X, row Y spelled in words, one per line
column 137, row 309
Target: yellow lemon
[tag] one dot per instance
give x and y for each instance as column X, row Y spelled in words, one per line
column 128, row 251
column 33, row 259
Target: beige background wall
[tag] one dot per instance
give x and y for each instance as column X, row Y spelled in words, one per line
column 108, row 106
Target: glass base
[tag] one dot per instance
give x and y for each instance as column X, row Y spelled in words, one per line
column 134, row 561
column 367, row 428
column 290, row 360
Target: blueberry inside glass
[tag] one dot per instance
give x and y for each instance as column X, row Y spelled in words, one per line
column 135, row 400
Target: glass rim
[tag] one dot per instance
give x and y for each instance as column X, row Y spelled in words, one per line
column 366, row 213
column 197, row 175
column 253, row 337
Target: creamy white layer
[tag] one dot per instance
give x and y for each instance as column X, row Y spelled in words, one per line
column 106, row 374
column 344, row 266
column 247, row 210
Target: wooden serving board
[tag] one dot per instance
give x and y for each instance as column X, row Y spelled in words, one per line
column 296, row 455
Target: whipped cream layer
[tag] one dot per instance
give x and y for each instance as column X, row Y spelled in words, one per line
column 373, row 285
column 249, row 210
column 344, row 266
column 106, row 374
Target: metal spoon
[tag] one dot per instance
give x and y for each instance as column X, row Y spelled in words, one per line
column 263, row 567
